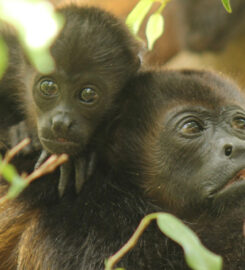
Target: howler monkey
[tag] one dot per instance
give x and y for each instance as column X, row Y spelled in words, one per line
column 177, row 141
column 95, row 55
column 189, row 132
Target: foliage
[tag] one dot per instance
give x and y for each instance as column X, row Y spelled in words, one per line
column 196, row 255
column 155, row 23
column 227, row 5
column 3, row 56
column 37, row 24
column 19, row 183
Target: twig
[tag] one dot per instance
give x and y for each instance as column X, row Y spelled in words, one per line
column 131, row 242
column 48, row 166
column 12, row 152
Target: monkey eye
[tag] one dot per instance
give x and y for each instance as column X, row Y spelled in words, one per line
column 88, row 95
column 191, row 127
column 238, row 123
column 48, row 88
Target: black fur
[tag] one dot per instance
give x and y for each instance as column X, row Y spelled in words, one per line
column 80, row 232
column 140, row 163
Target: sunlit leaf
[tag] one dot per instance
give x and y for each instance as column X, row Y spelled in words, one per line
column 17, row 186
column 227, row 5
column 137, row 15
column 196, row 255
column 17, row 183
column 3, row 57
column 8, row 171
column 37, row 25
column 154, row 29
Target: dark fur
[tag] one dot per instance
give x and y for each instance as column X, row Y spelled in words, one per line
column 184, row 176
column 80, row 232
column 94, row 48
column 40, row 230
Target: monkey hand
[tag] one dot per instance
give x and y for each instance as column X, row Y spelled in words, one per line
column 83, row 169
column 19, row 132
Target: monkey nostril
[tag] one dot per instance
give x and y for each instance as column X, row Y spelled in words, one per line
column 228, row 150
column 57, row 127
column 60, row 124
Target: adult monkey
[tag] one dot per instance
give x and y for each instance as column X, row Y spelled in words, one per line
column 95, row 55
column 156, row 151
column 191, row 160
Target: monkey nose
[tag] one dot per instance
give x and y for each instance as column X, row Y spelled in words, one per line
column 234, row 149
column 60, row 124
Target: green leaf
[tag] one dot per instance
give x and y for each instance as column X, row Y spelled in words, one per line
column 227, row 5
column 17, row 186
column 137, row 15
column 37, row 25
column 154, row 29
column 196, row 255
column 3, row 57
column 17, row 183
column 8, row 171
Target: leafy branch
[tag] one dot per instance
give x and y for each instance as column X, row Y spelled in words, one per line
column 227, row 5
column 19, row 182
column 196, row 255
column 37, row 25
column 155, row 24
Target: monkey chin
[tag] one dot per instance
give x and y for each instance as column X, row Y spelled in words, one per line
column 60, row 146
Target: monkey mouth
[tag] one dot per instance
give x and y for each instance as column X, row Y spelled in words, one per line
column 60, row 145
column 240, row 176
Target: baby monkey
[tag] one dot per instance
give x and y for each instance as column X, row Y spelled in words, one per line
column 95, row 56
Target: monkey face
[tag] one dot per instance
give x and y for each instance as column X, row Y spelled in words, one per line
column 67, row 113
column 189, row 129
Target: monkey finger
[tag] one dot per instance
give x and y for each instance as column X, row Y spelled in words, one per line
column 90, row 165
column 65, row 174
column 41, row 159
column 79, row 174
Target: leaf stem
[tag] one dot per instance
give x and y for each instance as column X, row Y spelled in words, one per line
column 131, row 242
column 163, row 5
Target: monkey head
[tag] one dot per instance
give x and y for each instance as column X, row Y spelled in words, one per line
column 182, row 135
column 95, row 55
